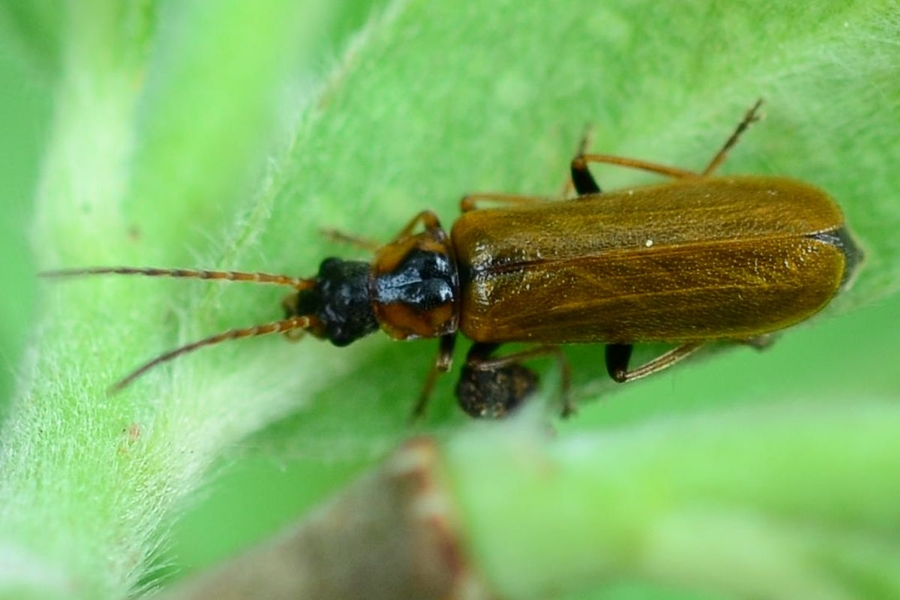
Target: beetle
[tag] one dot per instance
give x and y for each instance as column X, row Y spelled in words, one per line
column 699, row 259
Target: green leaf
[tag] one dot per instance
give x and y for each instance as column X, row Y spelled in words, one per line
column 496, row 99
column 165, row 152
column 34, row 28
column 778, row 502
column 87, row 480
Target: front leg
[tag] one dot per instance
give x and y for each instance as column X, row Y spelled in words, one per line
column 441, row 365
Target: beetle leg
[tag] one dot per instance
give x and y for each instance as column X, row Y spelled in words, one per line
column 471, row 202
column 674, row 172
column 585, row 183
column 617, row 358
column 581, row 177
column 633, row 163
column 751, row 117
column 441, row 365
column 336, row 235
column 427, row 218
column 618, row 355
column 582, row 180
column 494, row 386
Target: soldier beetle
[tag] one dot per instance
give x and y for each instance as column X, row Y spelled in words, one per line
column 702, row 258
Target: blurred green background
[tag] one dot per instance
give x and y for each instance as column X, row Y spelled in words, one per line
column 25, row 109
column 251, row 497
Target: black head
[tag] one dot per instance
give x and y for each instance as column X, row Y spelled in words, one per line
column 338, row 302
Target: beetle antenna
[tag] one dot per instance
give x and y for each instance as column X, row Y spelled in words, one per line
column 752, row 116
column 283, row 326
column 294, row 282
